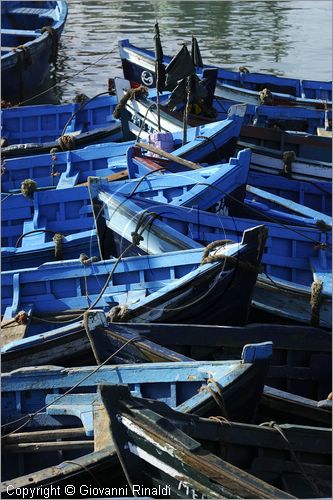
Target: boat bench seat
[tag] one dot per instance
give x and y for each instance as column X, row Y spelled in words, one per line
column 31, row 11
column 25, row 33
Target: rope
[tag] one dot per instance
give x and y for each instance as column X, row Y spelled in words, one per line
column 66, row 142
column 24, row 57
column 86, row 469
column 307, row 476
column 86, row 261
column 84, row 100
column 152, row 105
column 36, row 231
column 217, row 396
column 210, row 139
column 315, row 301
column 66, row 79
column 288, row 157
column 32, row 415
column 58, row 249
column 141, row 91
column 21, row 318
column 266, row 97
column 248, row 266
column 28, row 187
column 53, row 152
column 54, row 42
column 243, row 69
column 220, row 420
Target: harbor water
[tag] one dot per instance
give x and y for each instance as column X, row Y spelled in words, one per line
column 290, row 38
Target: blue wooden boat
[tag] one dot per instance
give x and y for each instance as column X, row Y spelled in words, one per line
column 36, row 129
column 276, row 149
column 34, row 222
column 300, row 364
column 29, row 40
column 139, row 66
column 157, row 446
column 296, row 259
column 49, row 393
column 161, row 288
column 316, row 196
column 215, row 141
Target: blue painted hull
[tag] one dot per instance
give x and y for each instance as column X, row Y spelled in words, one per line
column 73, row 167
column 37, row 129
column 22, row 77
column 175, row 286
column 138, row 64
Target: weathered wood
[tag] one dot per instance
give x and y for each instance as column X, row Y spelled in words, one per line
column 119, row 176
column 102, row 433
column 48, row 446
column 39, row 436
column 12, row 332
column 169, row 156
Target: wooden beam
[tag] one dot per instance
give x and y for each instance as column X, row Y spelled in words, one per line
column 169, row 156
column 36, row 436
column 119, row 176
column 48, row 446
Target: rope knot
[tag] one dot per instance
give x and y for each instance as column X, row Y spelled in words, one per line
column 58, row 249
column 22, row 318
column 140, row 91
column 66, row 142
column 54, row 42
column 244, row 69
column 315, row 301
column 24, row 57
column 79, row 98
column 288, row 157
column 86, row 261
column 323, row 226
column 210, row 247
column 266, row 97
column 136, row 238
column 117, row 314
column 28, row 187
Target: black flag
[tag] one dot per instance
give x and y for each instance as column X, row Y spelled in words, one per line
column 159, row 66
column 196, row 56
column 178, row 68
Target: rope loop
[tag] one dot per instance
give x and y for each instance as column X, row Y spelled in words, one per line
column 66, row 142
column 86, row 261
column 24, row 56
column 58, row 248
column 266, row 97
column 140, row 91
column 54, row 42
column 210, row 247
column 28, row 187
column 117, row 314
column 315, row 301
column 288, row 157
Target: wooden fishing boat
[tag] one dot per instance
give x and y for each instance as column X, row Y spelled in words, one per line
column 214, row 141
column 51, row 224
column 158, row 288
column 29, row 41
column 315, row 196
column 29, row 130
column 47, row 391
column 215, row 459
column 297, row 264
column 139, row 66
column 301, row 361
column 69, row 413
column 294, row 153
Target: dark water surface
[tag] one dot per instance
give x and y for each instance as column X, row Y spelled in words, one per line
column 286, row 37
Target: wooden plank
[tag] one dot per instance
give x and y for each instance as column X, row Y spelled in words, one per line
column 119, row 176
column 37, row 436
column 12, row 332
column 102, row 432
column 291, row 205
column 169, row 156
column 48, row 446
column 322, row 132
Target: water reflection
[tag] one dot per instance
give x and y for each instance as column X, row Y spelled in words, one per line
column 279, row 37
